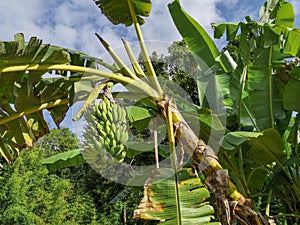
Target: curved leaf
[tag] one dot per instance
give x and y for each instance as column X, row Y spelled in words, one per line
column 267, row 148
column 64, row 159
column 117, row 11
column 256, row 179
column 233, row 139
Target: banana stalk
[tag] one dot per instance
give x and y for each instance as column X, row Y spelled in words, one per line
column 231, row 204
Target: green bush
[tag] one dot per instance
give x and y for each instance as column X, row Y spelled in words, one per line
column 30, row 195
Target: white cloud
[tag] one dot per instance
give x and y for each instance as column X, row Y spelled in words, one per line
column 204, row 12
column 161, row 27
column 72, row 23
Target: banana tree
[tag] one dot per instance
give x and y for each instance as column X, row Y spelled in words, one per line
column 265, row 102
column 262, row 99
column 26, row 92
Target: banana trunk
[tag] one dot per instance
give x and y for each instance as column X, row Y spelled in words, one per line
column 232, row 205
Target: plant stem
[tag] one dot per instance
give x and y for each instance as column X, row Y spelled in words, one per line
column 155, row 141
column 251, row 117
column 147, row 60
column 173, row 156
column 268, row 203
column 271, row 87
column 123, row 68
column 33, row 110
column 241, row 164
column 296, row 143
column 236, row 172
column 138, row 70
column 242, row 82
column 137, row 84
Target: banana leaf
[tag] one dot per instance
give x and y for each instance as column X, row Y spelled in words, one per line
column 213, row 65
column 26, row 94
column 64, row 159
column 117, row 11
column 267, row 148
column 180, row 200
column 233, row 139
column 255, row 84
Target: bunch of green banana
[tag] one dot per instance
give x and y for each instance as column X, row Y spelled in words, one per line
column 94, row 151
column 107, row 132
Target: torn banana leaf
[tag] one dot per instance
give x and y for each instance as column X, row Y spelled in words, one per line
column 181, row 202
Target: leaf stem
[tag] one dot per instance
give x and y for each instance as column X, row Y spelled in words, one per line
column 268, row 203
column 117, row 77
column 271, row 87
column 124, row 69
column 31, row 110
column 155, row 141
column 173, row 157
column 138, row 70
column 147, row 60
column 251, row 117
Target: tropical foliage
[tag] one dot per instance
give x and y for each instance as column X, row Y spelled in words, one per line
column 256, row 93
column 31, row 194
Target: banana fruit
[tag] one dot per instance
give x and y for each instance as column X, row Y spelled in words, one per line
column 105, row 134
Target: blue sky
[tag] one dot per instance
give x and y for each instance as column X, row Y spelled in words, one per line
column 72, row 23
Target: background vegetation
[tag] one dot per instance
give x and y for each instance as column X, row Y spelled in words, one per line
column 254, row 87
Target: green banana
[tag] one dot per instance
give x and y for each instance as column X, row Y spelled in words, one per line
column 106, row 134
column 114, row 129
column 113, row 143
column 109, row 117
column 104, row 107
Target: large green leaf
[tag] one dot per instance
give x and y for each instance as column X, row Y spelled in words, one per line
column 278, row 12
column 197, row 39
column 25, row 94
column 64, row 159
column 256, row 179
column 177, row 202
column 117, row 11
column 211, row 87
column 259, row 85
column 140, row 117
column 233, row 139
column 291, row 95
column 255, row 87
column 285, row 15
column 292, row 44
column 267, row 148
column 17, row 88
